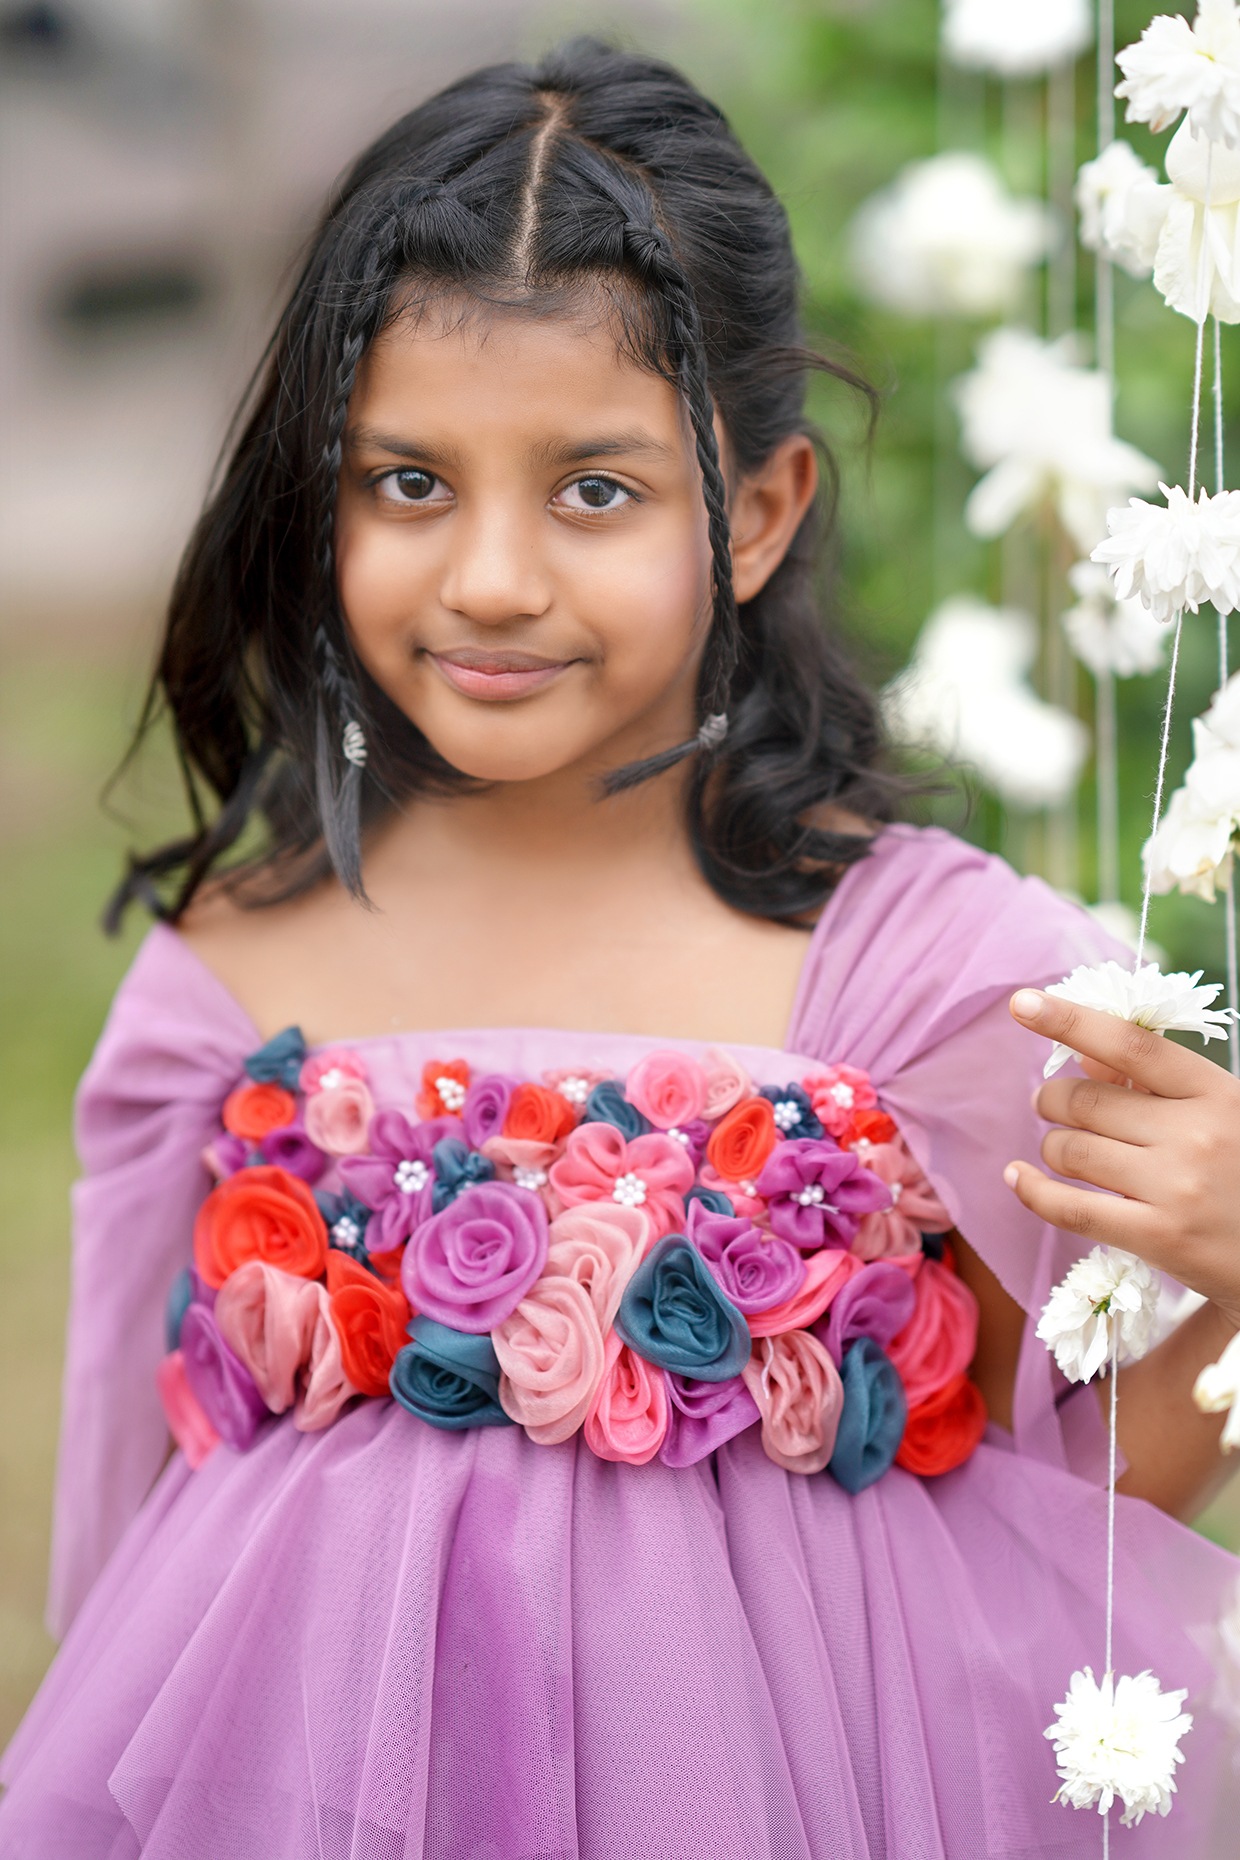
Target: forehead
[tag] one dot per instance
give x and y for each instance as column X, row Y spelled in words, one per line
column 499, row 367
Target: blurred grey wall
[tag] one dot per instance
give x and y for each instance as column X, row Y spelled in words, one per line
column 160, row 163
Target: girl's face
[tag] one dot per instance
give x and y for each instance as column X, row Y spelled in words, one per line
column 522, row 543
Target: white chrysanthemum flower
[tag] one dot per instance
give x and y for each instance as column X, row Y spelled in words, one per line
column 1178, row 555
column 1107, row 635
column 1197, row 260
column 1175, row 67
column 946, row 238
column 1119, row 1740
column 1122, row 207
column 1190, row 850
column 1161, row 1003
column 1015, row 38
column 1039, row 425
column 966, row 694
column 1218, row 1388
column 1109, row 1299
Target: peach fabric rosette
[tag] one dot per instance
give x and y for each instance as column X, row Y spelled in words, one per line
column 940, row 1339
column 727, row 1082
column 552, row 1356
column 279, row 1326
column 800, row 1398
column 338, row 1117
column 915, row 1208
column 667, row 1087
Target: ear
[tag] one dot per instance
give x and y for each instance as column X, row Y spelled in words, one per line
column 766, row 512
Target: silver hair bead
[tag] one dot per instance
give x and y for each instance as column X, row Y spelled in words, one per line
column 713, row 730
column 353, row 745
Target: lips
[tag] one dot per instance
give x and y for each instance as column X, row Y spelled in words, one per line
column 490, row 673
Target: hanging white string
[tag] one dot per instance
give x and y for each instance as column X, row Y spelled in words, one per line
column 1193, row 447
column 1111, row 1459
column 1106, row 751
column 1224, row 666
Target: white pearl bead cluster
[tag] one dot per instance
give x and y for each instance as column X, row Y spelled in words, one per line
column 346, row 1231
column 812, row 1195
column 451, row 1093
column 629, row 1190
column 787, row 1114
column 333, row 1077
column 411, row 1176
column 576, row 1090
column 533, row 1179
column 843, row 1094
column 679, row 1136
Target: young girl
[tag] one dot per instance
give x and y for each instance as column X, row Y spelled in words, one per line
column 607, row 1108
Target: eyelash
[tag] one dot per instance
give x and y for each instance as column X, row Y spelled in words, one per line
column 592, row 477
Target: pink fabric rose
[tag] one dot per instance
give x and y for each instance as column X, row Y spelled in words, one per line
column 325, row 1387
column 825, row 1273
column 528, row 1164
column 940, row 1339
column 800, row 1398
column 651, row 1172
column 837, row 1093
column 667, row 1087
column 552, row 1357
column 915, row 1209
column 727, row 1082
column 325, row 1070
column 744, row 1196
column 470, row 1265
column 268, row 1318
column 599, row 1245
column 338, row 1117
column 627, row 1420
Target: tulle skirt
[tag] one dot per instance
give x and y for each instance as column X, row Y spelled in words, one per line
column 387, row 1642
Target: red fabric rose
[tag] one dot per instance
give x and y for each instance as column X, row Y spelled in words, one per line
column 741, row 1142
column 536, row 1115
column 254, row 1111
column 942, row 1432
column 260, row 1213
column 370, row 1320
column 867, row 1127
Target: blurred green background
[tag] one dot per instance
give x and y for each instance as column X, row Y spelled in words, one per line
column 142, row 291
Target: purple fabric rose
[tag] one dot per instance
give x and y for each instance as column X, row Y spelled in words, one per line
column 222, row 1385
column 693, row 1136
column 876, row 1302
column 753, row 1269
column 292, row 1149
column 486, row 1105
column 396, row 1180
column 470, row 1266
column 225, row 1154
column 817, row 1192
column 702, row 1415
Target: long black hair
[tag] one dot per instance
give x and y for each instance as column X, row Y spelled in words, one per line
column 519, row 184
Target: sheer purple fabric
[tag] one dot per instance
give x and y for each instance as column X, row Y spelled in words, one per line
column 384, row 1641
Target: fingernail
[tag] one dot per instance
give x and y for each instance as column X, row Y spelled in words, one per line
column 1033, row 1101
column 1011, row 1175
column 1027, row 1003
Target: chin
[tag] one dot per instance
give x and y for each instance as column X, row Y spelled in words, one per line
column 485, row 755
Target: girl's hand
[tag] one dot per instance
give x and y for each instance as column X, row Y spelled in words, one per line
column 1169, row 1150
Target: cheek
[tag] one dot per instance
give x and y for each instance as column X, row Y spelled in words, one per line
column 648, row 607
column 381, row 590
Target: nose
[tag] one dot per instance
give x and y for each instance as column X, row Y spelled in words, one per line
column 495, row 571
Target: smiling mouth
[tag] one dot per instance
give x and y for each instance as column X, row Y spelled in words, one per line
column 479, row 672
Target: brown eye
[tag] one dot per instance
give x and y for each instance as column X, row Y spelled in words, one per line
column 412, row 485
column 596, row 494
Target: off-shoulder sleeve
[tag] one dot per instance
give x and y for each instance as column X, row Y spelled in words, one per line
column 174, row 1043
column 910, row 978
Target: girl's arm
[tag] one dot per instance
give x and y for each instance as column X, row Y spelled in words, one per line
column 1169, row 1150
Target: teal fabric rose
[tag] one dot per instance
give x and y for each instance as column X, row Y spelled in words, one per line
column 674, row 1314
column 872, row 1422
column 448, row 1377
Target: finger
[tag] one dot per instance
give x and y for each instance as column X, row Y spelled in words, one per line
column 1102, row 1220
column 1124, row 1168
column 1134, row 1052
column 1111, row 1110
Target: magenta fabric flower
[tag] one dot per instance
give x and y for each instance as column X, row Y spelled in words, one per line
column 837, row 1093
column 220, row 1383
column 395, row 1181
column 292, row 1149
column 876, row 1302
column 817, row 1193
column 225, row 1154
column 702, row 1416
column 486, row 1103
column 755, row 1270
column 915, row 1208
column 470, row 1265
column 667, row 1087
column 652, row 1173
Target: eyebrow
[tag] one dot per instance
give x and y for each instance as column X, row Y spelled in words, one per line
column 548, row 453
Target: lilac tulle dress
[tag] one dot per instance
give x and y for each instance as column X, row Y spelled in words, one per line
column 386, row 1641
